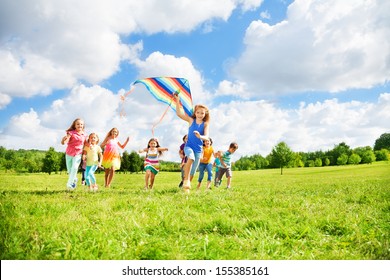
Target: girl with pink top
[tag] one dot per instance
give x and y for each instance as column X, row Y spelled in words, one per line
column 111, row 156
column 75, row 138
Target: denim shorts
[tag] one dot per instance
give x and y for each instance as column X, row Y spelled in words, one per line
column 189, row 152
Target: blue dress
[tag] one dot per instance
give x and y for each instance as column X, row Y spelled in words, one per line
column 194, row 142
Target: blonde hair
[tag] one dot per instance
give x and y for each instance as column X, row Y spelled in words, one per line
column 206, row 118
column 92, row 134
column 110, row 132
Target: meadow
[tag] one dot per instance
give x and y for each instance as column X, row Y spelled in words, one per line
column 324, row 213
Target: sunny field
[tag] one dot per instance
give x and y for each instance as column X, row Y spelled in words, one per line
column 308, row 213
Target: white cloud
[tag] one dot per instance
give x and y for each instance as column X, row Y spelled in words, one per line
column 48, row 45
column 322, row 45
column 4, row 100
column 258, row 126
column 233, row 89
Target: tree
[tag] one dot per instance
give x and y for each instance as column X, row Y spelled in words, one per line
column 354, row 159
column 383, row 154
column 282, row 155
column 342, row 159
column 383, row 142
column 327, row 161
column 366, row 154
column 136, row 162
column 318, row 162
column 51, row 162
column 338, row 151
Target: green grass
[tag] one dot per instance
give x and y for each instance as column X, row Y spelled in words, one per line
column 311, row 213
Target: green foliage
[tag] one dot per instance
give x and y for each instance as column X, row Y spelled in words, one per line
column 52, row 161
column 382, row 154
column 281, row 155
column 318, row 162
column 264, row 216
column 342, row 159
column 327, row 162
column 354, row 159
column 383, row 142
column 253, row 162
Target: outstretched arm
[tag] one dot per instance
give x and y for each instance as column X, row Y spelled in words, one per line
column 122, row 146
column 179, row 110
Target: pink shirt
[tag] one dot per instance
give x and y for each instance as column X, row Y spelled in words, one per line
column 76, row 143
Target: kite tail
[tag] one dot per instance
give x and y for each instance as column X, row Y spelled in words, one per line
column 162, row 117
column 123, row 97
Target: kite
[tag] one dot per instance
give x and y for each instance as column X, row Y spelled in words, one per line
column 164, row 89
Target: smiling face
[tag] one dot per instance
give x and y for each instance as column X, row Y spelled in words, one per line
column 93, row 139
column 200, row 113
column 79, row 125
column 153, row 143
column 114, row 132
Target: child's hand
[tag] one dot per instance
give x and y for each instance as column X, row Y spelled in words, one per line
column 197, row 134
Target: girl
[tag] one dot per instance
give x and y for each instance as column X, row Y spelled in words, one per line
column 111, row 157
column 75, row 138
column 151, row 164
column 205, row 163
column 198, row 131
column 92, row 155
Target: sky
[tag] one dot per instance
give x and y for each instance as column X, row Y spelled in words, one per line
column 311, row 73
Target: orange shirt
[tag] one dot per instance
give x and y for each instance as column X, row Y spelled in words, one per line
column 207, row 154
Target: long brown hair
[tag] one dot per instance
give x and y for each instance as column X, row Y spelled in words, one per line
column 157, row 145
column 206, row 118
column 73, row 126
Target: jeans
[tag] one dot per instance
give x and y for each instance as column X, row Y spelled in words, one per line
column 208, row 167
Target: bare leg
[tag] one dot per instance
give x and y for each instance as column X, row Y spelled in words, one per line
column 152, row 176
column 187, row 179
column 229, row 179
column 147, row 176
column 110, row 176
column 106, row 172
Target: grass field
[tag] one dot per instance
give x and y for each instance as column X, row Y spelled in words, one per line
column 308, row 213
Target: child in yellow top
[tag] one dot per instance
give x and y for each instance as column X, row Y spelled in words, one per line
column 92, row 155
column 206, row 163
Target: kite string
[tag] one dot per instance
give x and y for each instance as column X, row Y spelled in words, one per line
column 123, row 97
column 122, row 113
column 162, row 116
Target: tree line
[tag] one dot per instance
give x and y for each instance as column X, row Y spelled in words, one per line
column 281, row 156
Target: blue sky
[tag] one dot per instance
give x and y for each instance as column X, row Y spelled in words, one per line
column 310, row 73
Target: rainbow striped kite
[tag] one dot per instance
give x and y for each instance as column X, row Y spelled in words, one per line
column 163, row 88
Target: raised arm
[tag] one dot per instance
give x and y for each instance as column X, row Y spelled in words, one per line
column 179, row 110
column 122, row 146
column 65, row 139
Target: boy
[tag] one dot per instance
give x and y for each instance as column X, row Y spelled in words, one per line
column 225, row 165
